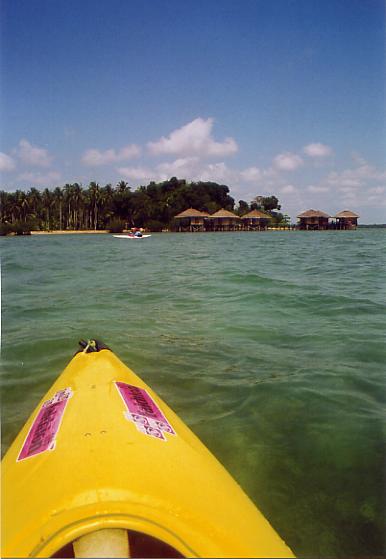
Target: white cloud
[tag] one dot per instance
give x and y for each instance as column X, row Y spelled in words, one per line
column 33, row 155
column 217, row 172
column 288, row 161
column 137, row 173
column 362, row 185
column 94, row 157
column 190, row 168
column 46, row 179
column 342, row 180
column 317, row 188
column 360, row 176
column 317, row 150
column 378, row 190
column 288, row 189
column 186, row 167
column 358, row 158
column 7, row 163
column 193, row 139
column 252, row 174
column 377, row 195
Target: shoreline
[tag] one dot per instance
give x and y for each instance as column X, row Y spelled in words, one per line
column 125, row 231
column 72, row 232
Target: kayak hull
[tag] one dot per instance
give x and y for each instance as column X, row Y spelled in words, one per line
column 105, row 467
column 130, row 236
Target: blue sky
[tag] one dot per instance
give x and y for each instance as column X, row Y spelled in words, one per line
column 283, row 97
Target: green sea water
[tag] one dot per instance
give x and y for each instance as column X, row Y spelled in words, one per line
column 270, row 346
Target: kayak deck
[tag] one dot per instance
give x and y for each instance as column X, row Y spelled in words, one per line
column 102, row 450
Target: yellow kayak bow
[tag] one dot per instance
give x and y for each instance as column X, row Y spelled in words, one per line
column 103, row 453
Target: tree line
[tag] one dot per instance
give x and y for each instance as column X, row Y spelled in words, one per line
column 74, row 207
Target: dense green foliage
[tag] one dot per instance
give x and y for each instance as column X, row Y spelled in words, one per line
column 267, row 203
column 373, row 226
column 16, row 228
column 74, row 207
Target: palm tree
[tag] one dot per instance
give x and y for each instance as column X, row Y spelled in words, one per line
column 122, row 186
column 122, row 202
column 3, row 205
column 142, row 206
column 67, row 195
column 13, row 207
column 35, row 202
column 107, row 200
column 87, row 209
column 76, row 203
column 58, row 197
column 23, row 205
column 6, row 206
column 48, row 201
column 95, row 197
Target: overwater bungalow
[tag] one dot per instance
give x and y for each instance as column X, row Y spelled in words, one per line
column 313, row 220
column 255, row 221
column 346, row 220
column 191, row 220
column 224, row 220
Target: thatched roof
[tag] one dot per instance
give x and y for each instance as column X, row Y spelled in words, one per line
column 313, row 213
column 224, row 213
column 191, row 212
column 256, row 214
column 346, row 213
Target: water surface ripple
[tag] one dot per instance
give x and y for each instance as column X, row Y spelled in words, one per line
column 269, row 345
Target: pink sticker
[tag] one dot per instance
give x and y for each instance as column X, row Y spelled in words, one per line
column 143, row 411
column 41, row 436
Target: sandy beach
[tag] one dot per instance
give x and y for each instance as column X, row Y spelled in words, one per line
column 69, row 232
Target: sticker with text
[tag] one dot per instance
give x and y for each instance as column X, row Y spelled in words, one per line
column 41, row 436
column 144, row 412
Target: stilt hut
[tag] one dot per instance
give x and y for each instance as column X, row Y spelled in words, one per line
column 255, row 221
column 224, row 220
column 191, row 220
column 346, row 220
column 313, row 220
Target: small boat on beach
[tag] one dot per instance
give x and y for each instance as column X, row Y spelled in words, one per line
column 104, row 468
